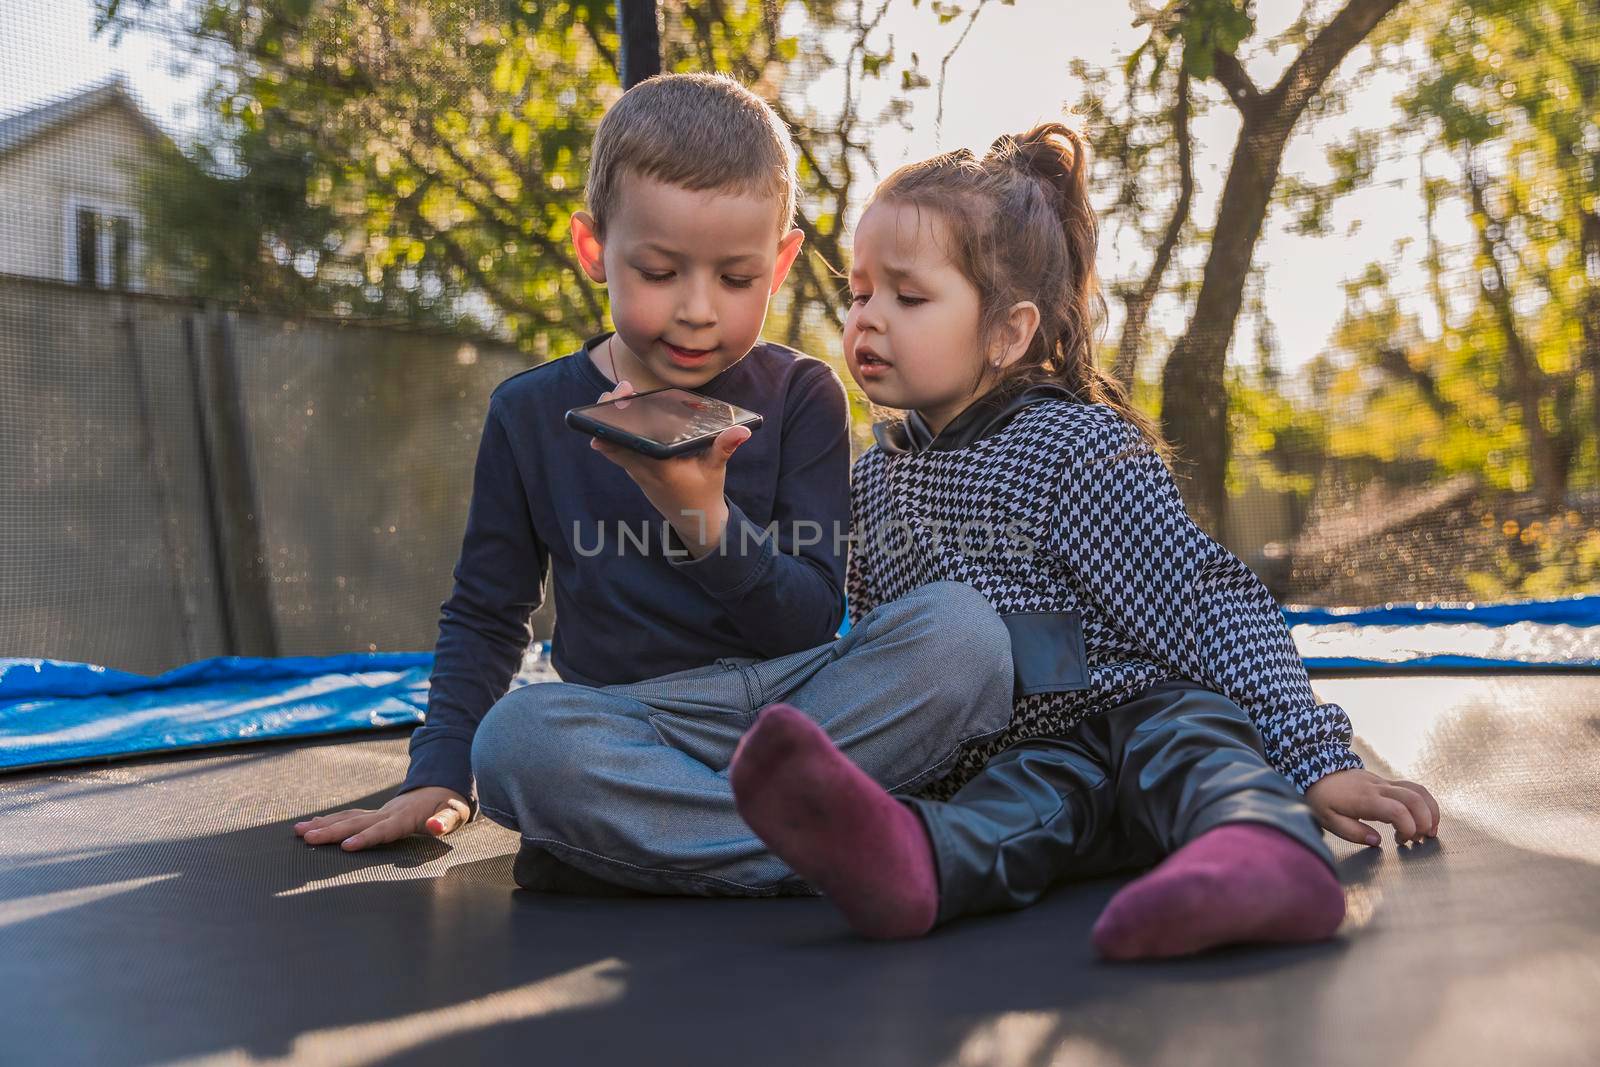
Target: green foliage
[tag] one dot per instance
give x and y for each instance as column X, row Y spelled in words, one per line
column 1352, row 161
column 1188, row 33
column 1277, row 443
column 1204, row 27
column 1549, row 555
column 393, row 159
column 1439, row 402
column 421, row 159
column 1511, row 93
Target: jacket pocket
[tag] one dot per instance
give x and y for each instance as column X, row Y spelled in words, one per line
column 1047, row 652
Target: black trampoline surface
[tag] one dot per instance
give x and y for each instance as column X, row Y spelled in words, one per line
column 162, row 911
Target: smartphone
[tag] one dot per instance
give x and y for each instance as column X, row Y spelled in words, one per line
column 661, row 423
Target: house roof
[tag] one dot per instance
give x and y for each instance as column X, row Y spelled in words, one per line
column 26, row 126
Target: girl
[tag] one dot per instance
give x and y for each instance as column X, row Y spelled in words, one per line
column 1162, row 714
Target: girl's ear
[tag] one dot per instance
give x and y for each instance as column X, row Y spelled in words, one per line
column 1015, row 334
column 591, row 254
column 788, row 250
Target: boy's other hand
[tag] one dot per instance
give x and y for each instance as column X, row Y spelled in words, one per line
column 1343, row 798
column 686, row 490
column 431, row 810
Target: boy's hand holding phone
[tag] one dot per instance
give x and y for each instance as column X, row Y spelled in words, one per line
column 687, row 490
column 432, row 810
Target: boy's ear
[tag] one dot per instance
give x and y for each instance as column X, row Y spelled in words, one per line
column 591, row 254
column 1016, row 334
column 788, row 250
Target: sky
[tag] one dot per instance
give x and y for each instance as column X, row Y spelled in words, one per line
column 48, row 49
column 1011, row 72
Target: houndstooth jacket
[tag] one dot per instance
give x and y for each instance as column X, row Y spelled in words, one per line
column 1067, row 512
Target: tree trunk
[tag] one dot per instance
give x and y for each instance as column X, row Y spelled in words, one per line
column 1590, row 229
column 1529, row 381
column 1194, row 396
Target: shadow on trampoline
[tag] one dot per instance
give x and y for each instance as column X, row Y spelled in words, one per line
column 101, row 778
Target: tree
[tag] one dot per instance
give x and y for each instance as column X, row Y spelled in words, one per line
column 1194, row 406
column 422, row 158
column 391, row 159
column 1139, row 131
column 1511, row 91
column 1141, row 115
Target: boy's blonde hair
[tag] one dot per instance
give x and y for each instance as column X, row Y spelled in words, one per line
column 695, row 131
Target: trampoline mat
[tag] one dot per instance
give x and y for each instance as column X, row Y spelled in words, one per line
column 163, row 911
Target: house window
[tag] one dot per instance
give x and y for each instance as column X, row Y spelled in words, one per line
column 102, row 249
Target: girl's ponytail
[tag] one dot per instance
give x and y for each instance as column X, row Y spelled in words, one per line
column 1057, row 157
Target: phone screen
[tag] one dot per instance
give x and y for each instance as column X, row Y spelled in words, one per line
column 669, row 416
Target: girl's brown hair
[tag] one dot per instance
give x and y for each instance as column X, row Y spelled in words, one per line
column 1020, row 228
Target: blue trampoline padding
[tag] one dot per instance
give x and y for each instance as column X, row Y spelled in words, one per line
column 1423, row 664
column 54, row 712
column 22, row 679
column 1568, row 611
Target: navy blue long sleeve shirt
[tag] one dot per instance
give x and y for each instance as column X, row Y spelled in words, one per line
column 631, row 604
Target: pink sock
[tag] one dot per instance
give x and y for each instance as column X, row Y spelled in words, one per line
column 835, row 826
column 1241, row 882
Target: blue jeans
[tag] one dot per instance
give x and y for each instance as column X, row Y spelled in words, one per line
column 629, row 783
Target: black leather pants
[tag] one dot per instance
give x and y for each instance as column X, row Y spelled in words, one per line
column 1122, row 790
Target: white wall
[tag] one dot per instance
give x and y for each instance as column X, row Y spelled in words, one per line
column 91, row 162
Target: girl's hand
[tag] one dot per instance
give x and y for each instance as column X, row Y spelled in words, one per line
column 432, row 810
column 686, row 490
column 1343, row 798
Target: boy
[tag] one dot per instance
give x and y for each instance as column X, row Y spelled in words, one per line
column 662, row 567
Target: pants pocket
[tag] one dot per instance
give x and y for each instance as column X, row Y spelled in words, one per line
column 1047, row 651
